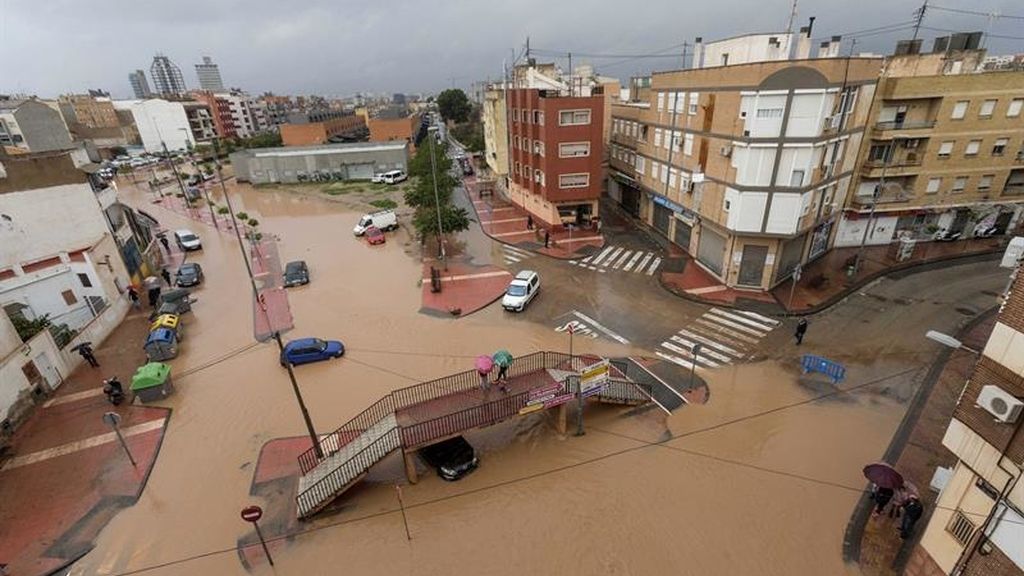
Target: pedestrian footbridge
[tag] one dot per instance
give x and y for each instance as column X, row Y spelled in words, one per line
column 417, row 416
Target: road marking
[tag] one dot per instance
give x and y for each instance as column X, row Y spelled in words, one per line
column 603, row 253
column 644, row 262
column 707, row 289
column 612, row 258
column 757, row 316
column 731, row 333
column 705, row 350
column 600, row 327
column 503, row 221
column 688, row 356
column 674, row 360
column 709, row 342
column 67, row 398
column 577, row 328
column 472, row 276
column 79, row 445
column 622, row 260
column 747, row 324
column 654, row 266
column 519, row 233
column 632, row 261
column 584, row 239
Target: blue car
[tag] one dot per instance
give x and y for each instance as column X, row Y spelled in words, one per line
column 306, row 350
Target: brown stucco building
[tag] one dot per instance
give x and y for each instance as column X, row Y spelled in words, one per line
column 323, row 128
column 403, row 128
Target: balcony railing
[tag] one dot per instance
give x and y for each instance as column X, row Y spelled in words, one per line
column 905, row 162
column 905, row 125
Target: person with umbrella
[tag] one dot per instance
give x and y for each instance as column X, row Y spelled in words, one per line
column 484, row 365
column 85, row 351
column 887, row 480
column 503, row 358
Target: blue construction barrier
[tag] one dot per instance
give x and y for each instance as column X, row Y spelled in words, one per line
column 834, row 370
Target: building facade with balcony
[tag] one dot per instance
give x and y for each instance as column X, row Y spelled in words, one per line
column 744, row 165
column 977, row 525
column 555, row 154
column 31, row 125
column 944, row 151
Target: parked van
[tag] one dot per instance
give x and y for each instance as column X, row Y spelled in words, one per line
column 394, row 177
column 384, row 220
column 521, row 291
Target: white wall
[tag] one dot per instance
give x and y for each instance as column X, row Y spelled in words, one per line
column 795, row 158
column 784, row 214
column 851, row 232
column 47, row 221
column 752, row 48
column 160, row 120
column 753, row 165
column 806, row 115
column 746, row 211
column 42, row 292
column 763, row 113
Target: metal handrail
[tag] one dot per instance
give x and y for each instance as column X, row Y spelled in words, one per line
column 465, row 419
column 329, row 485
column 341, row 436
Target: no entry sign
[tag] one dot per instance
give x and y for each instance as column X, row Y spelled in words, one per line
column 252, row 513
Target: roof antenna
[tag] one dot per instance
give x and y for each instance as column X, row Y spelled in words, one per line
column 792, row 17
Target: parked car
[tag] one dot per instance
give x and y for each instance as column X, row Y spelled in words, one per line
column 189, row 274
column 394, row 177
column 187, row 240
column 374, row 235
column 377, row 178
column 385, row 220
column 467, row 168
column 296, row 274
column 521, row 291
column 195, row 180
column 453, row 458
column 306, row 350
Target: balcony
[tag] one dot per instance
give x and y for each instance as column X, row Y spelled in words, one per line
column 894, row 192
column 905, row 125
column 908, row 164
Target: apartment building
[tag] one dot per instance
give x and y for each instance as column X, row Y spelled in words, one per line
column 977, row 525
column 745, row 159
column 160, row 122
column 323, row 127
column 555, row 154
column 235, row 114
column 167, row 78
column 140, row 86
column 943, row 151
column 396, row 123
column 208, row 74
column 31, row 125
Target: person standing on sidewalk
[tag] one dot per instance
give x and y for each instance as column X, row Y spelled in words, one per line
column 529, row 221
column 133, row 295
column 166, row 276
column 912, row 511
column 547, row 238
column 801, row 329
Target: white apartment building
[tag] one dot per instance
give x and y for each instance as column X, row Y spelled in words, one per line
column 160, row 122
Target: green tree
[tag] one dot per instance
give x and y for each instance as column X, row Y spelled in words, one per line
column 453, row 219
column 453, row 104
column 421, row 193
column 28, row 328
column 420, row 163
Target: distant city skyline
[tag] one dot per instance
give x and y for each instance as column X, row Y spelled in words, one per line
column 412, row 47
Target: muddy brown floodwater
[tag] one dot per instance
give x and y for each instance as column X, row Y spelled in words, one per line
column 763, row 495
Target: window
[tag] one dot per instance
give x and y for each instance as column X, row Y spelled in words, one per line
column 69, row 297
column 655, row 170
column 933, row 185
column 640, row 164
column 945, row 149
column 796, row 179
column 688, row 145
column 959, row 183
column 986, row 181
column 657, row 137
column 515, row 114
column 959, row 110
column 573, row 149
column 538, row 117
column 972, row 148
column 677, row 139
column 672, row 174
column 538, row 177
column 987, row 108
column 661, row 101
column 84, row 279
column 573, row 117
column 960, row 528
column 1013, row 110
column 680, row 102
column 769, row 113
column 694, row 100
column 999, row 147
column 581, row 180
column 727, row 205
column 519, row 168
column 538, row 147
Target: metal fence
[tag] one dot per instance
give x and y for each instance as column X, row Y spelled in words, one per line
column 337, row 439
column 456, row 422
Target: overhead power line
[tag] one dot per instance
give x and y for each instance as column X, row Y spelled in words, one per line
column 987, row 34
column 995, row 15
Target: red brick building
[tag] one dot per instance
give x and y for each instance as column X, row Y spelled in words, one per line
column 555, row 155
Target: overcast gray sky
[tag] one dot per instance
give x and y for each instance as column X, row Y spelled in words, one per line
column 341, row 47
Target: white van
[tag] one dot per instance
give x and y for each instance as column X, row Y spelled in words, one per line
column 383, row 220
column 521, row 291
column 394, row 177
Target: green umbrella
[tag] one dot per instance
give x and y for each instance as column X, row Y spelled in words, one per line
column 503, row 358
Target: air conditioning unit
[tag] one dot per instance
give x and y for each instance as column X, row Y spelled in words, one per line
column 726, row 151
column 1000, row 403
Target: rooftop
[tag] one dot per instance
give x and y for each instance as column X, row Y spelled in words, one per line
column 326, row 149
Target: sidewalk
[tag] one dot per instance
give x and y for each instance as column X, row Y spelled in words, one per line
column 916, row 451
column 66, row 475
column 507, row 223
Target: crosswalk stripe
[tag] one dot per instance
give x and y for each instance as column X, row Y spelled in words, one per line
column 757, row 316
column 612, row 258
column 759, row 329
column 511, row 259
column 621, row 260
column 517, row 251
column 674, row 360
column 705, row 351
column 632, row 261
column 603, row 254
column 587, row 259
column 735, row 325
column 731, row 333
column 689, row 357
column 708, row 341
column 654, row 266
column 643, row 263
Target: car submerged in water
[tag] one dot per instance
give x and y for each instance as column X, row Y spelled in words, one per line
column 453, row 458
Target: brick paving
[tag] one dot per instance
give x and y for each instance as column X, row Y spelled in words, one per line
column 54, row 507
column 882, row 552
column 465, row 287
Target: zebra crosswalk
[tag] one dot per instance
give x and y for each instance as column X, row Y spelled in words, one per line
column 724, row 336
column 513, row 255
column 618, row 258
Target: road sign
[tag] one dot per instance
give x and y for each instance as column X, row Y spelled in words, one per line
column 252, row 513
column 530, row 408
column 112, row 419
column 542, row 395
column 557, row 400
column 595, row 390
column 594, row 375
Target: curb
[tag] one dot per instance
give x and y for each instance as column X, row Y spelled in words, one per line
column 854, row 533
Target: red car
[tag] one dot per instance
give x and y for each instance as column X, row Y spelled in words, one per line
column 375, row 235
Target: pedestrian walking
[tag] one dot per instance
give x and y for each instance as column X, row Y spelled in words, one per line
column 547, row 238
column 166, row 276
column 882, row 497
column 154, row 296
column 912, row 511
column 529, row 221
column 133, row 295
column 597, row 224
column 801, row 329
column 167, row 245
column 484, row 383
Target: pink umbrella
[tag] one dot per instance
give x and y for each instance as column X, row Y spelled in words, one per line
column 884, row 475
column 484, row 364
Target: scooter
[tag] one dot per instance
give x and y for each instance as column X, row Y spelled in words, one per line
column 947, row 236
column 113, row 390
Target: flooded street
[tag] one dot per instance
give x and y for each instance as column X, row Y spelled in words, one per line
column 759, row 480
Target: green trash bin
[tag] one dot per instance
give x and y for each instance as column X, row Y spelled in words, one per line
column 152, row 382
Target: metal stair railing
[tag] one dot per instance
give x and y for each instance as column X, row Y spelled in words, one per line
column 344, row 434
column 323, row 491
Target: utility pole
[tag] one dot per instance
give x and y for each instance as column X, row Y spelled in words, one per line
column 792, row 17
column 255, row 295
column 437, row 204
column 874, row 203
column 919, row 16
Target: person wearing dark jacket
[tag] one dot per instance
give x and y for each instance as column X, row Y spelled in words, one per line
column 912, row 511
column 882, row 497
column 801, row 329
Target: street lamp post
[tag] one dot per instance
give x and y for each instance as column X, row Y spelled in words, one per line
column 949, row 341
column 206, row 194
column 277, row 335
column 695, row 352
column 437, row 201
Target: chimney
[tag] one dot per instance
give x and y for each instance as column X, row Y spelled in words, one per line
column 698, row 53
